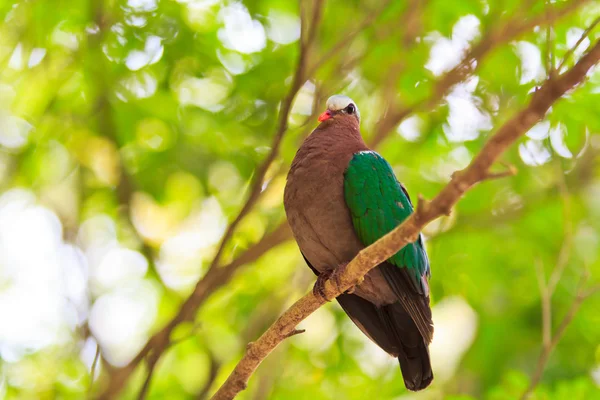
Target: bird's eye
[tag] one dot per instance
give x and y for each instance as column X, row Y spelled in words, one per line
column 350, row 109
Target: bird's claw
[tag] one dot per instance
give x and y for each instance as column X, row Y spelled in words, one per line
column 335, row 277
column 337, row 280
column 319, row 288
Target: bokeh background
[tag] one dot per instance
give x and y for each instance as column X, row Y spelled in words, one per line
column 131, row 132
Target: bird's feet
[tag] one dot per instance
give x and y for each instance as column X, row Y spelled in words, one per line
column 319, row 288
column 335, row 276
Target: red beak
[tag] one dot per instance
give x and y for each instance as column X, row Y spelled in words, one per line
column 325, row 116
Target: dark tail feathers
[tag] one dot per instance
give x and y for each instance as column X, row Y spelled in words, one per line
column 413, row 354
column 392, row 329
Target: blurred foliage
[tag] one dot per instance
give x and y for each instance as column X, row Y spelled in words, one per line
column 140, row 123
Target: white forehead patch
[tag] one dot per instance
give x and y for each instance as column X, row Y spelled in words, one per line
column 339, row 102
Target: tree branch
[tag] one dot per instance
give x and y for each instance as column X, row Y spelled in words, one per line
column 565, row 250
column 547, row 288
column 408, row 231
column 298, row 80
column 93, row 370
column 348, row 38
column 550, row 341
column 505, row 33
column 151, row 362
column 549, row 56
column 213, row 280
column 159, row 342
column 510, row 170
column 580, row 297
column 584, row 35
column 546, row 303
column 212, row 375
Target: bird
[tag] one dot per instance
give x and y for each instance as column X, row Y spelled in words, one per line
column 340, row 196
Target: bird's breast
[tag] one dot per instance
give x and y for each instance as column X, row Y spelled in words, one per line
column 317, row 212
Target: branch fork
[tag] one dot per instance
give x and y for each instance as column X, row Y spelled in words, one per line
column 510, row 170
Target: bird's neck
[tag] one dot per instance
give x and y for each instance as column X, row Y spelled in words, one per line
column 340, row 137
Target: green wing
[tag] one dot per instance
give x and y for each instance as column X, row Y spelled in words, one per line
column 378, row 203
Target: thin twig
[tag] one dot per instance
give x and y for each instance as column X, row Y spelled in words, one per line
column 151, row 362
column 295, row 332
column 549, row 341
column 303, row 23
column 213, row 371
column 579, row 178
column 504, row 33
column 411, row 21
column 592, row 291
column 584, row 35
column 409, row 230
column 546, row 303
column 565, row 250
column 311, row 30
column 348, row 38
column 93, row 370
column 549, row 44
column 510, row 170
column 580, row 297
